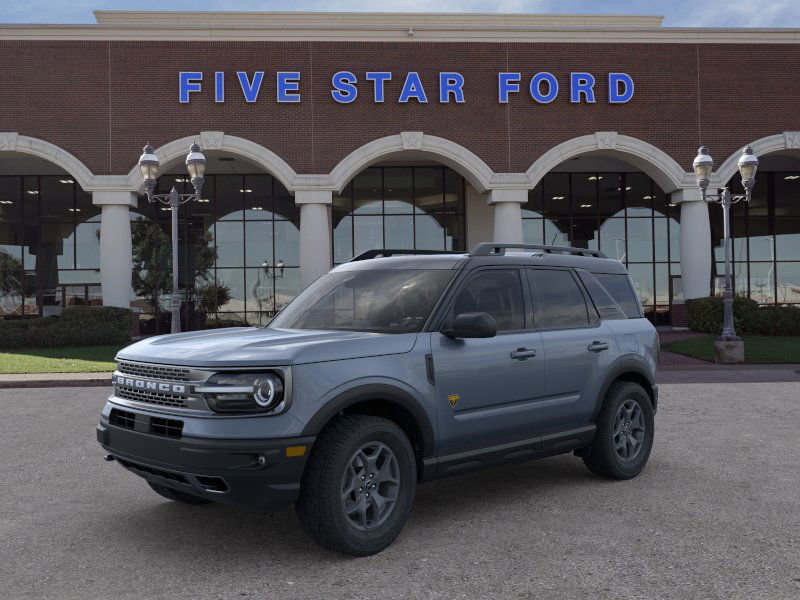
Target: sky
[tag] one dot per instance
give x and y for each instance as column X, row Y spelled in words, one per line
column 678, row 13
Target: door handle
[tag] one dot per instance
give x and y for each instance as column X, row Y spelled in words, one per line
column 522, row 353
column 598, row 346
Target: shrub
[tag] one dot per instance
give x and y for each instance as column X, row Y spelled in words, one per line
column 706, row 315
column 77, row 326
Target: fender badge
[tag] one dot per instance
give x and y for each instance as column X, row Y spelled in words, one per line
column 453, row 399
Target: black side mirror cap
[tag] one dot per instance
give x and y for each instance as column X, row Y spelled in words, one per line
column 472, row 325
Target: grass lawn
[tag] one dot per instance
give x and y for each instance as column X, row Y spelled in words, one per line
column 763, row 349
column 84, row 359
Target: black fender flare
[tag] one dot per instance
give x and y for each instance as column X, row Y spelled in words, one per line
column 626, row 364
column 376, row 391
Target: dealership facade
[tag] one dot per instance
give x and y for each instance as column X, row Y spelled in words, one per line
column 328, row 134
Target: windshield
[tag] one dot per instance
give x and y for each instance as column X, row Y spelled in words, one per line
column 396, row 301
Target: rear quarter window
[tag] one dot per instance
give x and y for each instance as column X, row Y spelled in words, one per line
column 620, row 289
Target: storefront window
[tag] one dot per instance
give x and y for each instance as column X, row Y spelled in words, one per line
column 399, row 208
column 624, row 215
column 238, row 253
column 49, row 246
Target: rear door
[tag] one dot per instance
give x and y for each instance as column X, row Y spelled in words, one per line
column 578, row 348
column 487, row 388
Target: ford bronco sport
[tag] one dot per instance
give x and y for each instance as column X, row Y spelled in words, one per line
column 395, row 368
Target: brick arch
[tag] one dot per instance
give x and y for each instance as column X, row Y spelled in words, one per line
column 656, row 163
column 414, row 143
column 11, row 141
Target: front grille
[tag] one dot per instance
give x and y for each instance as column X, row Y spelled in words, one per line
column 154, row 371
column 151, row 397
column 171, row 428
column 144, row 470
column 122, row 418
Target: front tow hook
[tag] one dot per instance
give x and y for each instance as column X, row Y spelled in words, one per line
column 108, row 458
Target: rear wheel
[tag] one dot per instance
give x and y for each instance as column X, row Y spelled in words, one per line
column 359, row 484
column 625, row 432
column 177, row 496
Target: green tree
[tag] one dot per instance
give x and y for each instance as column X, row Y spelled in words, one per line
column 152, row 262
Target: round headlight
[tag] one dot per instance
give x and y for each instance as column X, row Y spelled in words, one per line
column 267, row 393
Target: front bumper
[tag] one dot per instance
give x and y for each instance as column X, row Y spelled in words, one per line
column 253, row 474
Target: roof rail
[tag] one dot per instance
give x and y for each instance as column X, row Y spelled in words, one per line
column 487, row 248
column 368, row 254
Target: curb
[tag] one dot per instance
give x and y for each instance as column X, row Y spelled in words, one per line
column 54, row 383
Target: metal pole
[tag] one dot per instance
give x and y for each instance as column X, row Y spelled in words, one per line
column 728, row 331
column 174, row 203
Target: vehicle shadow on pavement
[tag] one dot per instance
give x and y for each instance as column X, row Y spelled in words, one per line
column 235, row 537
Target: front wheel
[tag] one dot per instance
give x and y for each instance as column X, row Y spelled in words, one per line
column 359, row 484
column 625, row 431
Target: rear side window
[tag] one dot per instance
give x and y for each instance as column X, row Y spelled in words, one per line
column 560, row 301
column 619, row 286
column 605, row 304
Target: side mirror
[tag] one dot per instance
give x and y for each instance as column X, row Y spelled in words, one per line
column 472, row 325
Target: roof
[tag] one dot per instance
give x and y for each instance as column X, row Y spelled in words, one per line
column 387, row 27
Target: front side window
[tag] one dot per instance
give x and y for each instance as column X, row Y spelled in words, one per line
column 561, row 303
column 496, row 292
column 380, row 301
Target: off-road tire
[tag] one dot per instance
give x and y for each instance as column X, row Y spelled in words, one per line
column 177, row 496
column 320, row 505
column 602, row 458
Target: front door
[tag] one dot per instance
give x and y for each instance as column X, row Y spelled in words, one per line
column 487, row 388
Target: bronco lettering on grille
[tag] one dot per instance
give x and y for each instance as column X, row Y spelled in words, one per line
column 144, row 384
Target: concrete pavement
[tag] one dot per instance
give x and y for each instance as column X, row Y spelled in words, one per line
column 716, row 514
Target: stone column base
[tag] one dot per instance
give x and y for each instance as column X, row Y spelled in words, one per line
column 728, row 353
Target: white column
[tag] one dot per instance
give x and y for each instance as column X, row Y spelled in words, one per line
column 695, row 243
column 315, row 233
column 507, row 214
column 116, row 256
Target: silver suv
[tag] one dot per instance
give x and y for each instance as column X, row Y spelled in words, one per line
column 395, row 368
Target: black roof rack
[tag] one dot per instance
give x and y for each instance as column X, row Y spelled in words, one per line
column 488, row 248
column 368, row 254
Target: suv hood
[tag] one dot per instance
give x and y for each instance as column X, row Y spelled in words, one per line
column 258, row 346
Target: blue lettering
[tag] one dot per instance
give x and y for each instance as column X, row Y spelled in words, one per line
column 615, row 96
column 581, row 83
column 344, row 89
column 378, row 78
column 507, row 83
column 412, row 88
column 451, row 83
column 288, row 86
column 250, row 89
column 188, row 81
column 219, row 86
column 536, row 88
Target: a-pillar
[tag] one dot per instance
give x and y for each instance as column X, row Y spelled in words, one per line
column 507, row 206
column 315, row 233
column 695, row 243
column 116, row 256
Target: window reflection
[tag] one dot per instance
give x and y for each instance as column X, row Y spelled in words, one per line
column 399, row 208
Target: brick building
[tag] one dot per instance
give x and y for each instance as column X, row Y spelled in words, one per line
column 329, row 134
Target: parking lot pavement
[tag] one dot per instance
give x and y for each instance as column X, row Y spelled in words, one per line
column 716, row 514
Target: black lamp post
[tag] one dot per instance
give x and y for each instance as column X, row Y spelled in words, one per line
column 196, row 165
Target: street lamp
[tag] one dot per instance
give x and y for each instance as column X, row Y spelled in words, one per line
column 703, row 165
column 196, row 165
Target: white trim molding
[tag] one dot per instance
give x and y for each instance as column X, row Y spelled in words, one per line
column 11, row 141
column 220, row 141
column 442, row 150
column 788, row 140
column 656, row 163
